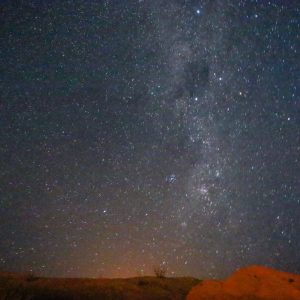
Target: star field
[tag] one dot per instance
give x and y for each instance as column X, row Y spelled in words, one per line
column 143, row 133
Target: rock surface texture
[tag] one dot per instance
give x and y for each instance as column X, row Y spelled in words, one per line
column 251, row 283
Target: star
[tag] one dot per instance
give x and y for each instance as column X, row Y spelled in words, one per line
column 149, row 131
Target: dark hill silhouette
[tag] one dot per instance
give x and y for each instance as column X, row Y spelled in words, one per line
column 30, row 287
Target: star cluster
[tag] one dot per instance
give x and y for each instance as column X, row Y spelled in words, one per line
column 143, row 133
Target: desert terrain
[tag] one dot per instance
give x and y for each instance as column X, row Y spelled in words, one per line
column 250, row 283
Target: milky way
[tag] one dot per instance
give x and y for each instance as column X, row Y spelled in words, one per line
column 143, row 133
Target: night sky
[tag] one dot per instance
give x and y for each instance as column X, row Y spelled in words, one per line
column 143, row 133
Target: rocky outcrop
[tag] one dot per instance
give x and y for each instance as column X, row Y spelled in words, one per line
column 251, row 283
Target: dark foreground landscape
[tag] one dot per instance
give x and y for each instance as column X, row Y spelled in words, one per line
column 251, row 283
column 28, row 287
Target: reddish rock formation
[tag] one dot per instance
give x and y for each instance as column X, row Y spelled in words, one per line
column 252, row 283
